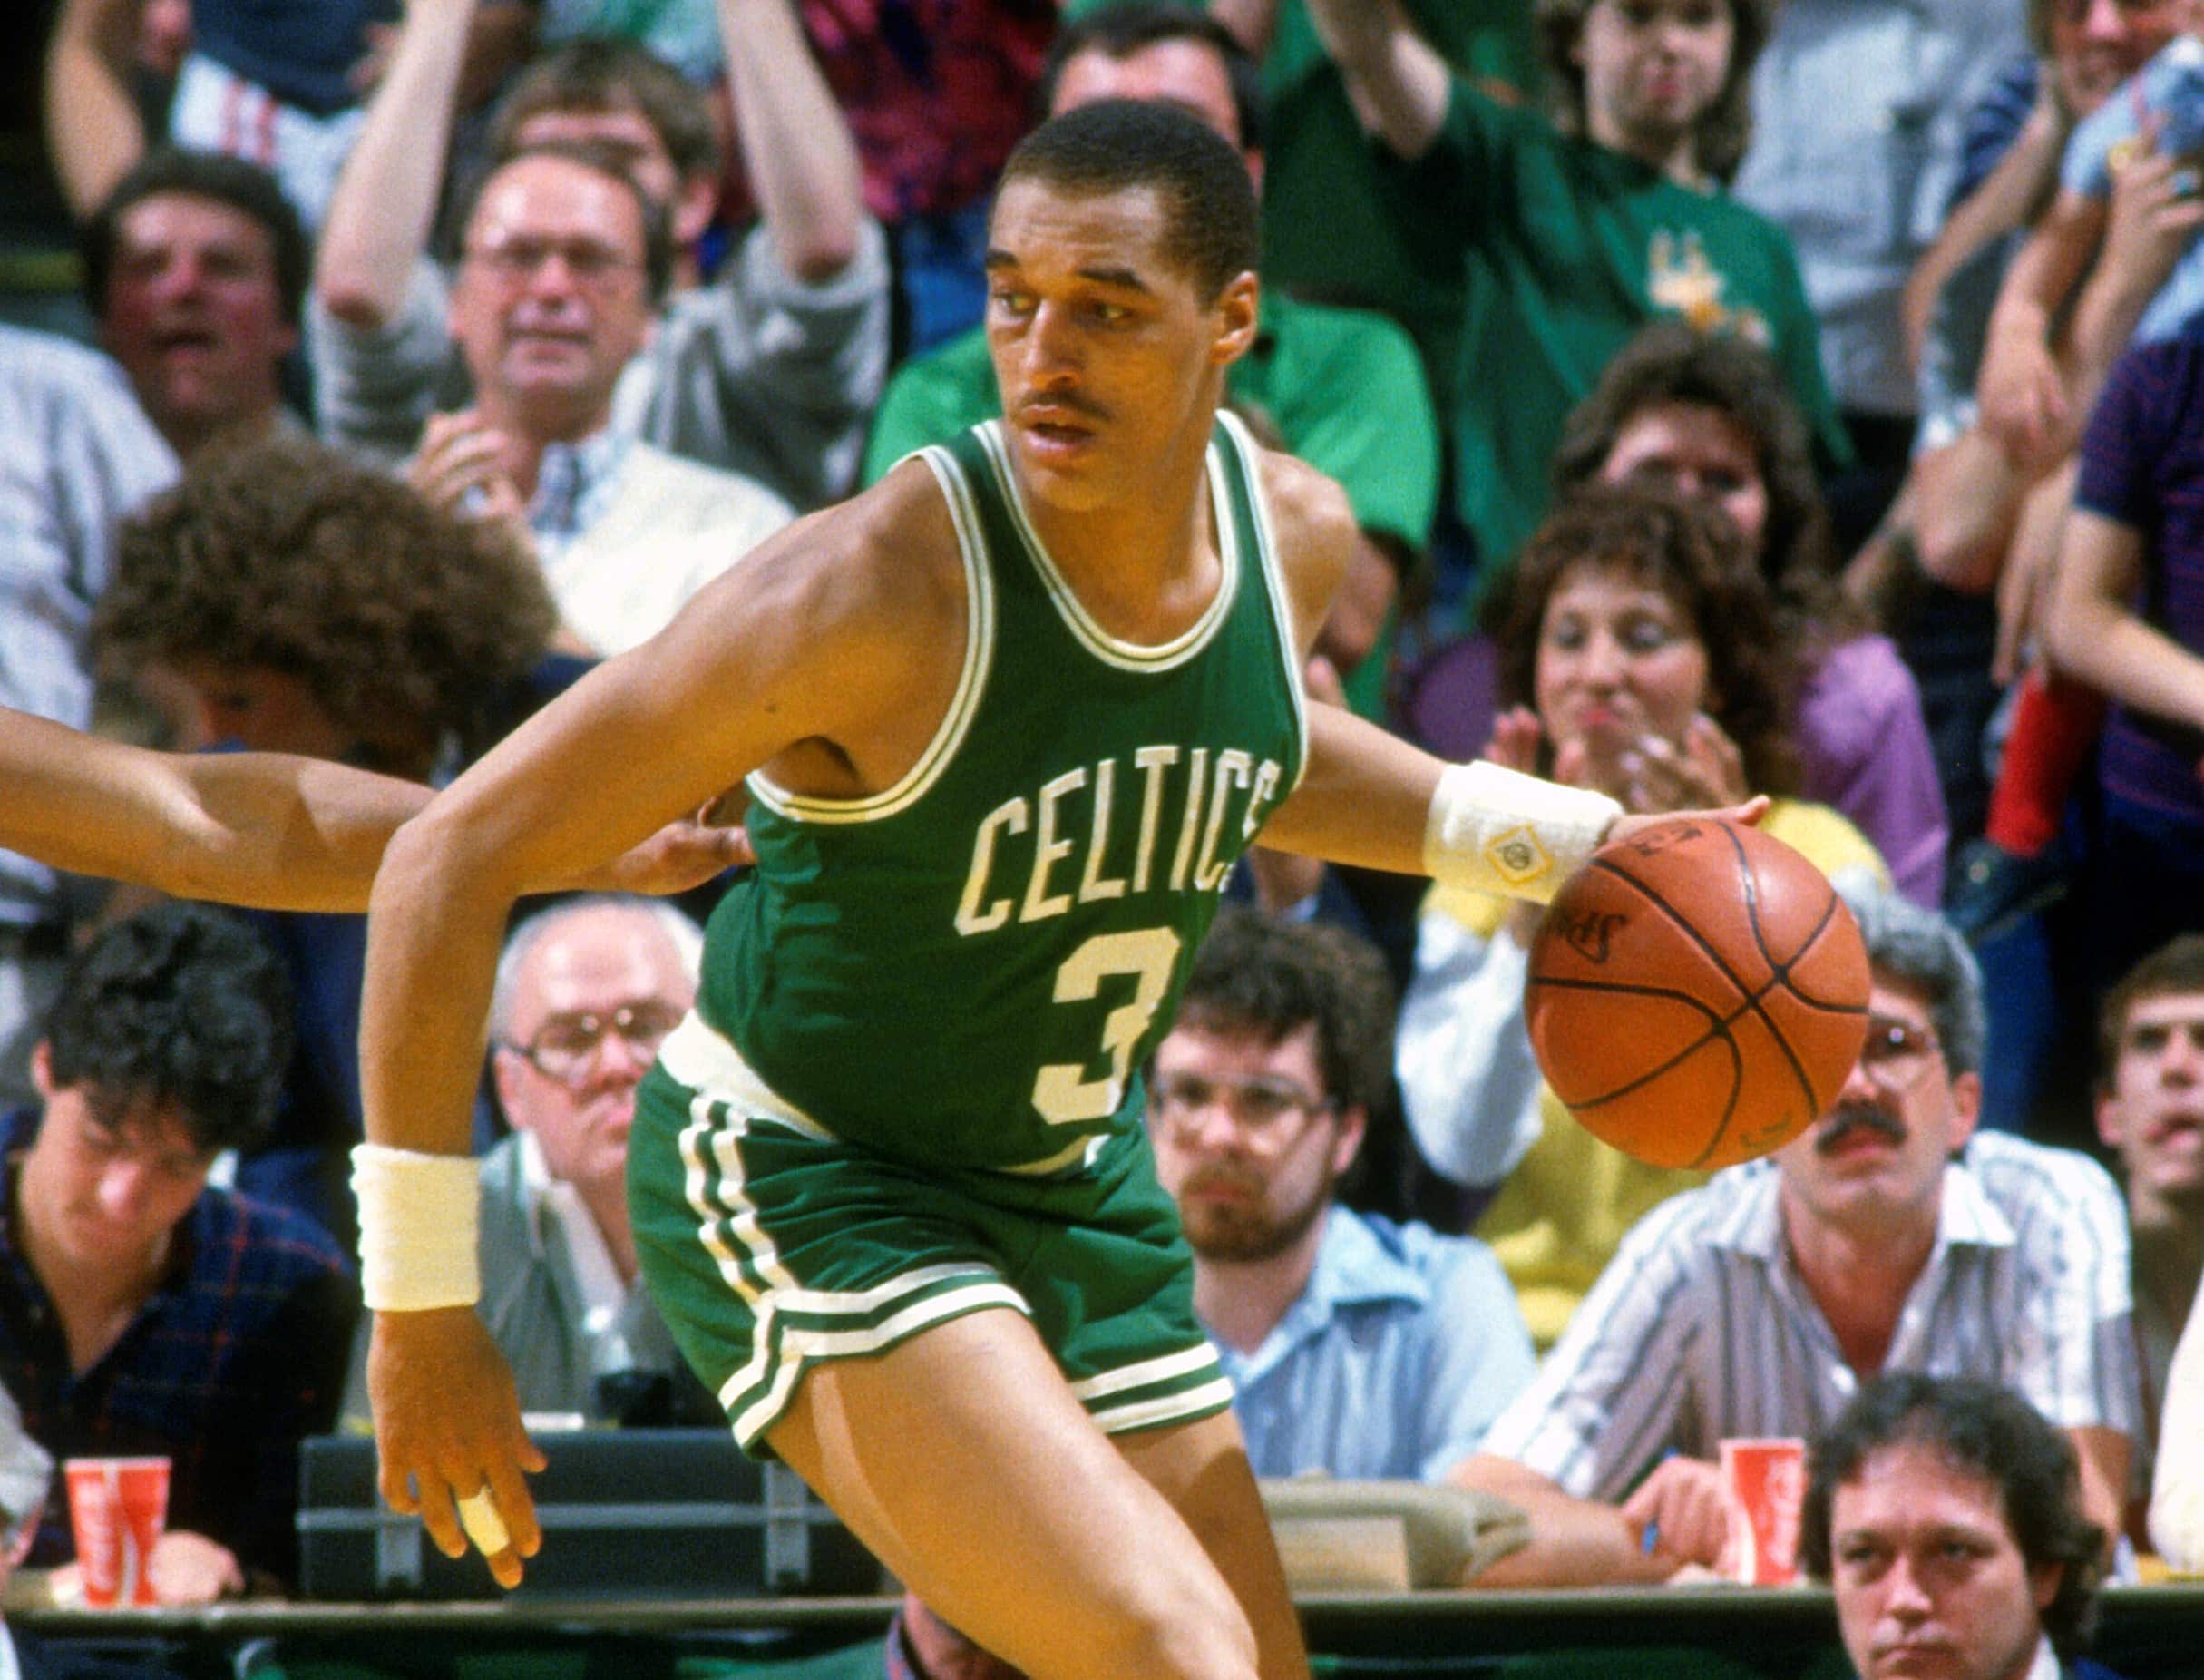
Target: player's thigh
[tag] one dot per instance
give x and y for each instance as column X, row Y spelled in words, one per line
column 1201, row 1469
column 960, row 1457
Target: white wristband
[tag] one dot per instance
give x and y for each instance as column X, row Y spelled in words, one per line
column 1495, row 830
column 418, row 1214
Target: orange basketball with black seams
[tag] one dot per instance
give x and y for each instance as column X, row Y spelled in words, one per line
column 1697, row 994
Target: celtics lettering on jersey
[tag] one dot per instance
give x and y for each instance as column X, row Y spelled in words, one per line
column 1187, row 810
column 970, row 968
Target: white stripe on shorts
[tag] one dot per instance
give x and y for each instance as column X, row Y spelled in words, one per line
column 1182, row 1363
column 1144, row 1413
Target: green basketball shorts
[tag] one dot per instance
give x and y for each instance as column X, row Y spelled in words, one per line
column 768, row 1251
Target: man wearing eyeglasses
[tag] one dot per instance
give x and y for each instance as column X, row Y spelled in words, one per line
column 1890, row 1236
column 1356, row 1347
column 586, row 992
column 564, row 260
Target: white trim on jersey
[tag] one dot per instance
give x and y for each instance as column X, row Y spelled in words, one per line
column 1128, row 656
column 1273, row 572
column 963, row 705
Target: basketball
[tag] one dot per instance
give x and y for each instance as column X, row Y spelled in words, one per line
column 1697, row 995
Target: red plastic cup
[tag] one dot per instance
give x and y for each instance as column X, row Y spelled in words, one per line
column 1763, row 1485
column 118, row 1508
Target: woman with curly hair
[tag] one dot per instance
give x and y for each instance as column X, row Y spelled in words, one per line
column 283, row 599
column 1708, row 415
column 1641, row 653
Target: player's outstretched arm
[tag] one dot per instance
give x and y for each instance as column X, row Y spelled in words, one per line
column 820, row 654
column 262, row 829
column 266, row 830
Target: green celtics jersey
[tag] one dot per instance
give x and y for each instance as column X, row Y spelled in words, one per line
column 970, row 968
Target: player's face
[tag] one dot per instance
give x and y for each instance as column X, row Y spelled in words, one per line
column 1246, row 1142
column 1652, row 69
column 1876, row 1160
column 1107, row 354
column 2097, row 45
column 1929, row 1582
column 575, row 1088
column 2153, row 1112
column 194, row 312
column 1618, row 661
column 1698, row 452
column 550, row 298
column 104, row 1190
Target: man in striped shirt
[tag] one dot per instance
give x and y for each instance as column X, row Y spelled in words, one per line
column 1891, row 1236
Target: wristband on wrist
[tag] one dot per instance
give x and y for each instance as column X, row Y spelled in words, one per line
column 418, row 1214
column 1495, row 830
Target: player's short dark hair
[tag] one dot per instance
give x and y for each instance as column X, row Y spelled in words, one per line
column 246, row 188
column 1120, row 146
column 657, row 219
column 2175, row 967
column 1118, row 32
column 1696, row 558
column 1261, row 975
column 595, row 74
column 1672, row 361
column 1979, row 1429
column 284, row 555
column 1727, row 125
column 180, row 1003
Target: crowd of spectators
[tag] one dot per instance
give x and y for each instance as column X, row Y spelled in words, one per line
column 1732, row 398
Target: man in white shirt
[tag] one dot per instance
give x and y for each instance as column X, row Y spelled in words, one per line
column 1890, row 1236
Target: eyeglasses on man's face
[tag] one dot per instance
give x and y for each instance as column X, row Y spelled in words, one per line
column 517, row 260
column 1261, row 1104
column 565, row 1046
column 1896, row 1053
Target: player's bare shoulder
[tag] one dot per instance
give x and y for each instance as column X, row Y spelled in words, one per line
column 1316, row 533
column 877, row 579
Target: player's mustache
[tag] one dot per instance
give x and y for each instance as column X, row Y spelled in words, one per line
column 1857, row 1116
column 1071, row 402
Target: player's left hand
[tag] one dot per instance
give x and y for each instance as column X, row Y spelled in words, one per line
column 1681, row 1502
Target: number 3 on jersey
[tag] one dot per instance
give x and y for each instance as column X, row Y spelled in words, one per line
column 1060, row 1091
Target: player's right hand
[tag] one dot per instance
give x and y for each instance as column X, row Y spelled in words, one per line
column 447, row 1424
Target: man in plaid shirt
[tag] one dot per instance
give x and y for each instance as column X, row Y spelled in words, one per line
column 142, row 1311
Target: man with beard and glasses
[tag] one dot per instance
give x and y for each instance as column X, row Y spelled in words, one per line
column 1890, row 1236
column 1355, row 1347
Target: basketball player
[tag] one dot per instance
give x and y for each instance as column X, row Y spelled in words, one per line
column 1008, row 718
